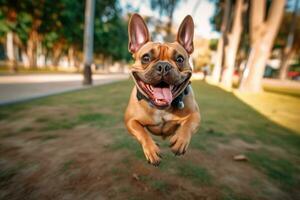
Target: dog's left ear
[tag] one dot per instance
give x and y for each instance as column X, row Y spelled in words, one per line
column 185, row 34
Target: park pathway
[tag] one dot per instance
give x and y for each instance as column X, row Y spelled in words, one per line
column 17, row 88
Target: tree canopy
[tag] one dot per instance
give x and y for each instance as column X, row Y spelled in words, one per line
column 59, row 25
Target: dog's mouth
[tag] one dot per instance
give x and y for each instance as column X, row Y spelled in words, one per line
column 162, row 94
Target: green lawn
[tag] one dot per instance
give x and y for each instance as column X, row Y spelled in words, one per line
column 75, row 145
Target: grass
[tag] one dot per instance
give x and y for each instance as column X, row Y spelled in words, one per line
column 3, row 116
column 67, row 165
column 282, row 109
column 49, row 137
column 196, row 173
column 127, row 143
column 59, row 124
column 283, row 90
column 229, row 194
column 225, row 120
column 278, row 169
column 237, row 119
column 159, row 185
column 100, row 119
column 95, row 119
column 7, row 173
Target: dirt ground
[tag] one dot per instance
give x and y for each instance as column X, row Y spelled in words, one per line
column 75, row 146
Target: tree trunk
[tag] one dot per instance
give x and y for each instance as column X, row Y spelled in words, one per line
column 263, row 35
column 77, row 62
column 233, row 44
column 284, row 64
column 71, row 57
column 257, row 16
column 290, row 48
column 218, row 62
column 10, row 51
column 31, row 49
column 221, row 43
column 88, row 41
column 56, row 56
column 46, row 52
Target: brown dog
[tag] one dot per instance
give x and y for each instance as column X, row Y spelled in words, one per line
column 162, row 101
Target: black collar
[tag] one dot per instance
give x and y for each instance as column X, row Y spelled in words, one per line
column 176, row 103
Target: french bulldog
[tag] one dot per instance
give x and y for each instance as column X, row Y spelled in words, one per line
column 162, row 101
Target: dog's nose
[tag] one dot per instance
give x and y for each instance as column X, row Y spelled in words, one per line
column 163, row 67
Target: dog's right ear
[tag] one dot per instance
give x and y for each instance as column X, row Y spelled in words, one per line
column 138, row 33
column 186, row 34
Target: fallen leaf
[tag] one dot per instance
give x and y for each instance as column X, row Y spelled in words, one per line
column 240, row 157
column 135, row 177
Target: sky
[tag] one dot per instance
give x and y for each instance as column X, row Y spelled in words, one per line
column 200, row 10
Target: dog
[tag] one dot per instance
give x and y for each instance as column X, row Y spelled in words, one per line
column 162, row 101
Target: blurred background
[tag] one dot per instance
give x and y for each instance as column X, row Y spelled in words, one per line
column 64, row 86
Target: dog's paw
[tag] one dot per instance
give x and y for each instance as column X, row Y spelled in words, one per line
column 179, row 144
column 152, row 153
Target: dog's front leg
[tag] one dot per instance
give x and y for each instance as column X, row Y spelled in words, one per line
column 150, row 149
column 180, row 141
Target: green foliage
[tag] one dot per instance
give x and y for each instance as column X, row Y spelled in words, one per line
column 213, row 43
column 23, row 26
column 111, row 37
column 4, row 27
column 60, row 25
column 164, row 7
column 216, row 19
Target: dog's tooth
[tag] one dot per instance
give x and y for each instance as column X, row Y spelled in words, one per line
column 174, row 88
column 151, row 88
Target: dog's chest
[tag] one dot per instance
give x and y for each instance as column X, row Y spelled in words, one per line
column 161, row 116
column 164, row 123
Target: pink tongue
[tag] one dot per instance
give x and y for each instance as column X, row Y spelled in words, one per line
column 163, row 94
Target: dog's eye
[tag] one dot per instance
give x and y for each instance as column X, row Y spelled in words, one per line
column 179, row 59
column 146, row 58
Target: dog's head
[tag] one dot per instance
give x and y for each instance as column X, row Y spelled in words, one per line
column 161, row 71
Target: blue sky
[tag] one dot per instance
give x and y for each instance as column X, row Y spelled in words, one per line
column 200, row 10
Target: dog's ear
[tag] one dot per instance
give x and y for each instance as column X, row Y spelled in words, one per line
column 138, row 33
column 186, row 33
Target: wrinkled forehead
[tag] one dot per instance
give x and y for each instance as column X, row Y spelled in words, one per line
column 161, row 48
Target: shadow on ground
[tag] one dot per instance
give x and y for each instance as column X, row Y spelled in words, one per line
column 75, row 146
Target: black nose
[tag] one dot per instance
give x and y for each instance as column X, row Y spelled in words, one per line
column 163, row 67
